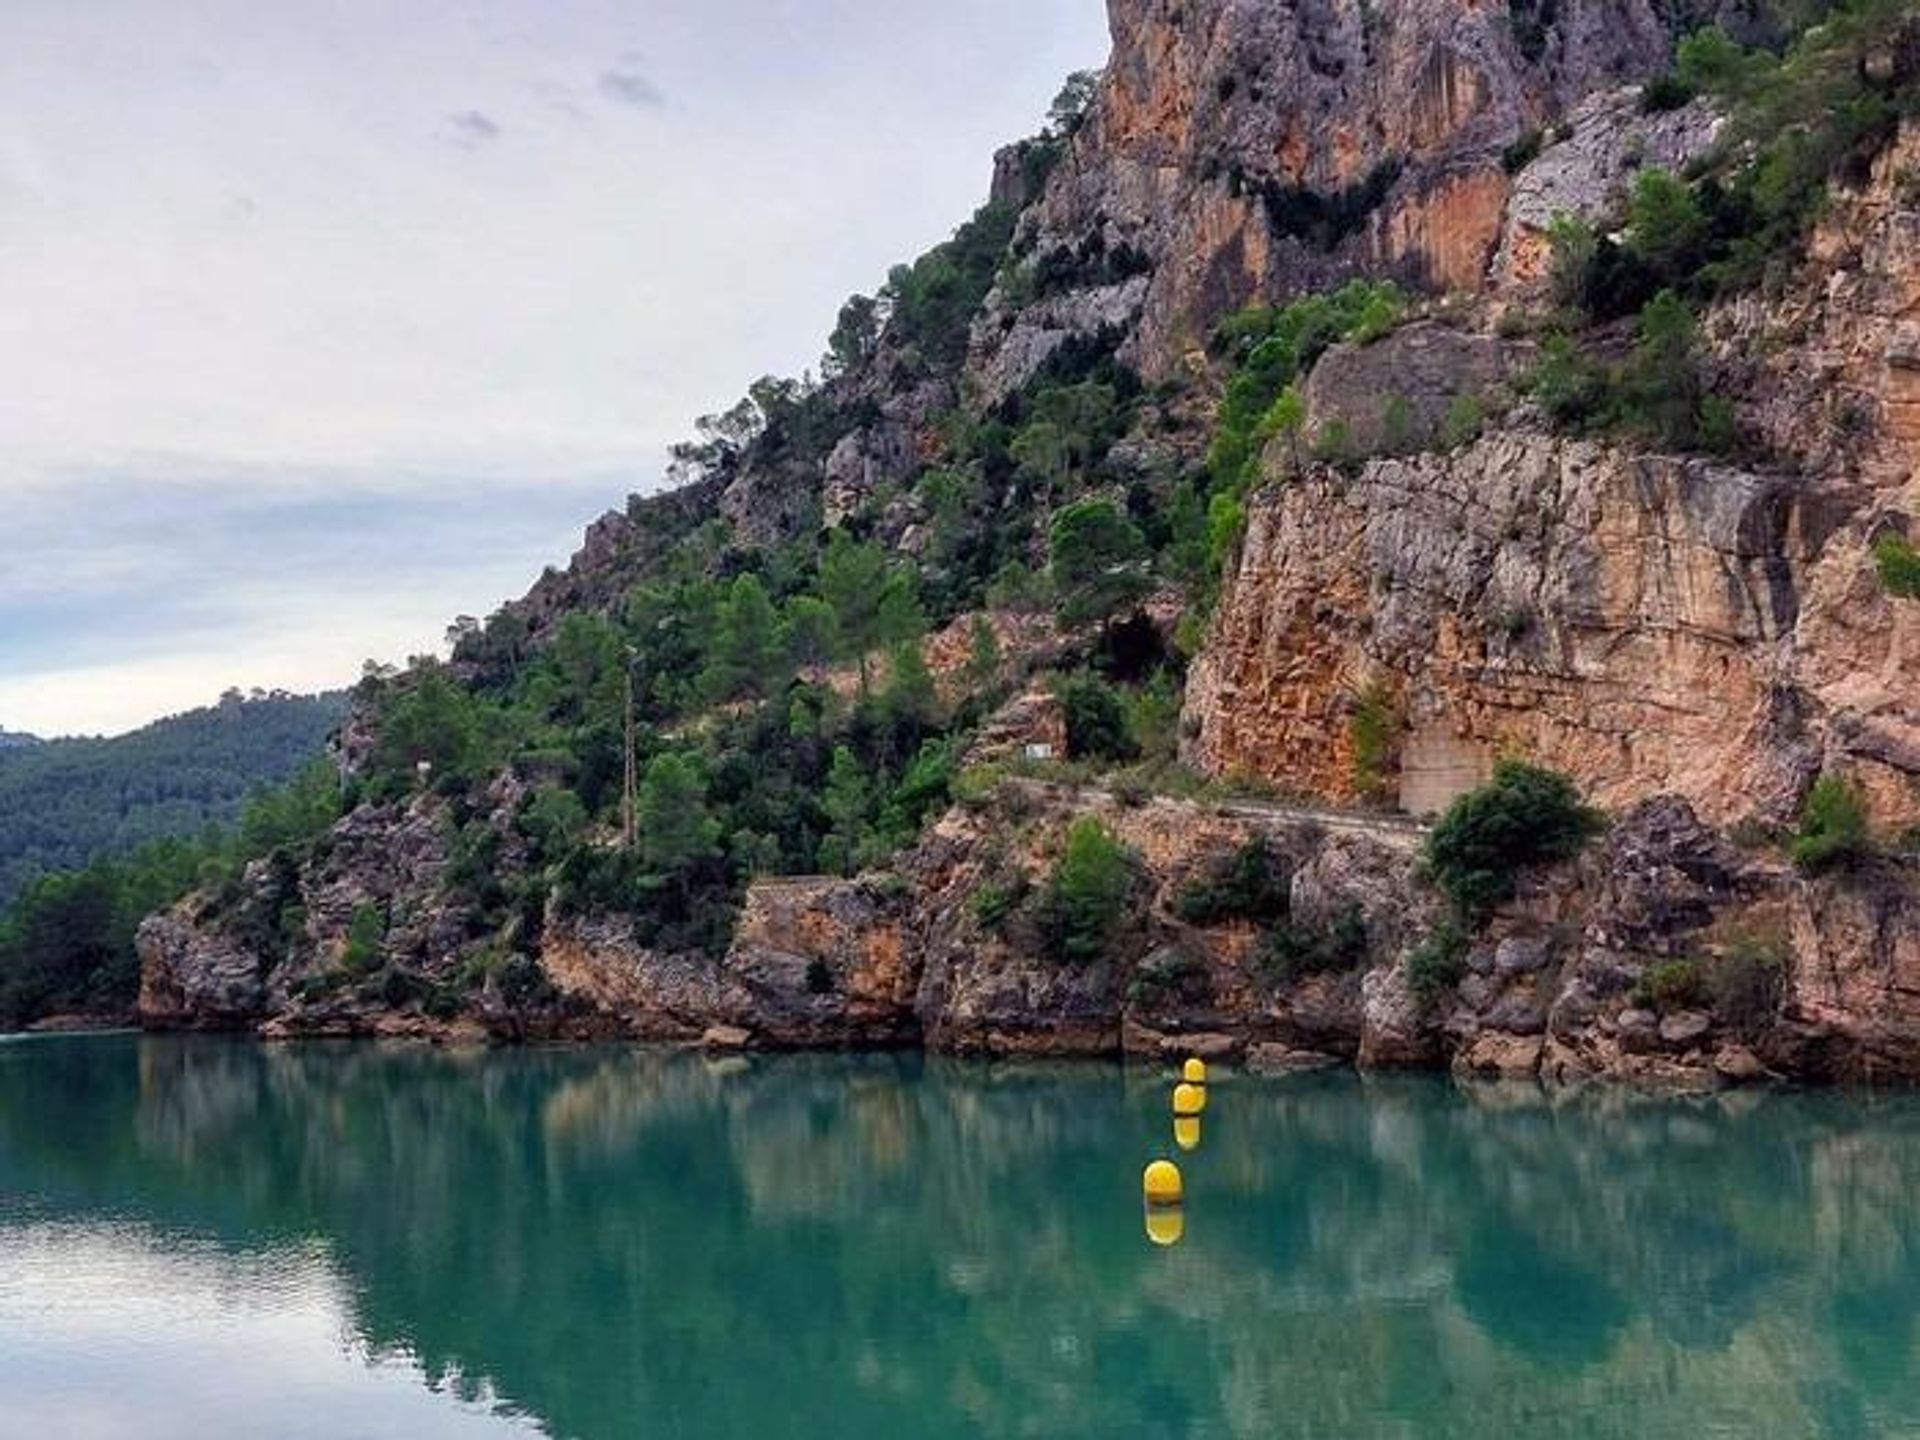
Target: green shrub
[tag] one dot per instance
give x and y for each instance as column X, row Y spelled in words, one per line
column 366, row 937
column 1656, row 394
column 1097, row 727
column 1272, row 347
column 522, row 982
column 1573, row 389
column 1373, row 731
column 1899, row 565
column 1672, row 985
column 819, row 977
column 1745, row 982
column 1466, row 418
column 1524, row 816
column 1663, row 93
column 994, row 906
column 974, row 786
column 1399, row 427
column 1521, row 153
column 1169, row 973
column 1097, row 561
column 1253, row 883
column 1086, row 897
column 1333, row 445
column 1438, row 962
column 1833, row 826
column 1294, row 950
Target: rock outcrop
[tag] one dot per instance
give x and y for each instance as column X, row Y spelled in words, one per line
column 1624, row 618
column 1647, row 623
column 1694, row 641
column 1238, row 152
column 1766, row 973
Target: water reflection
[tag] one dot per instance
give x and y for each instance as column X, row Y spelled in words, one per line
column 617, row 1242
column 112, row 1330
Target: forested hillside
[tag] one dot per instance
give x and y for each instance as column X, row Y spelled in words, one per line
column 1469, row 385
column 66, row 803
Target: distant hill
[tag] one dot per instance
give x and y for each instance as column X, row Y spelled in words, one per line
column 65, row 803
column 13, row 740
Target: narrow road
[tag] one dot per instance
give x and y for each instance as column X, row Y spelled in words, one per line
column 1399, row 832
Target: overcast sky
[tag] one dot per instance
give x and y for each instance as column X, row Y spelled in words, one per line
column 322, row 321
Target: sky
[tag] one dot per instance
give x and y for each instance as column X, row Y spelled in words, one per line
column 323, row 321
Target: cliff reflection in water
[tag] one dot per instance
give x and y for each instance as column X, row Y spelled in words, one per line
column 621, row 1242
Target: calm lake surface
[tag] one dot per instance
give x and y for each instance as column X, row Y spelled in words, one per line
column 210, row 1237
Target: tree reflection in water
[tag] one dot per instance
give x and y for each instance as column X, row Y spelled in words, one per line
column 621, row 1241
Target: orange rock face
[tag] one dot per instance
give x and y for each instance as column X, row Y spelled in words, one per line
column 1218, row 125
column 1620, row 618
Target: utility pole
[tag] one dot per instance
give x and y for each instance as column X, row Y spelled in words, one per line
column 630, row 789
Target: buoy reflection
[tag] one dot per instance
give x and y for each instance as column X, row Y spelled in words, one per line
column 1186, row 1131
column 1166, row 1224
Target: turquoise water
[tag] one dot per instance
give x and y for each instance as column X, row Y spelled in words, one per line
column 208, row 1237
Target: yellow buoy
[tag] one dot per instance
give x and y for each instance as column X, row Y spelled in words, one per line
column 1161, row 1183
column 1189, row 1099
column 1194, row 1072
column 1166, row 1224
column 1186, row 1131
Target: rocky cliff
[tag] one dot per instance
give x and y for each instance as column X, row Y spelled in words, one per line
column 1693, row 640
column 1557, row 986
column 1649, row 624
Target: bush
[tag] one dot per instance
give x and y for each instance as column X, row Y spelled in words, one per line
column 1665, row 92
column 974, row 787
column 1294, row 950
column 1373, row 730
column 522, row 982
column 1097, row 726
column 1273, row 347
column 1169, row 974
column 366, row 937
column 1437, row 963
column 1521, row 153
column 1096, row 561
column 1086, row 897
column 1251, row 884
column 1745, row 983
column 995, row 905
column 819, row 977
column 1833, row 826
column 1671, row 985
column 1899, row 565
column 1656, row 395
column 1524, row 816
column 1465, row 419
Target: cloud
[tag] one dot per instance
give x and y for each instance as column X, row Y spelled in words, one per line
column 628, row 84
column 154, row 593
column 470, row 129
column 278, row 393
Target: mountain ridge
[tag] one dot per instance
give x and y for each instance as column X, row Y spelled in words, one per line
column 69, row 802
column 1330, row 403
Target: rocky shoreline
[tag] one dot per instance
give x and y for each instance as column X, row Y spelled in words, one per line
column 1426, row 574
column 1587, row 974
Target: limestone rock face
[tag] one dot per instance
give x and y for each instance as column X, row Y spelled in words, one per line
column 1246, row 150
column 1398, row 393
column 1825, row 375
column 1646, row 623
column 1586, row 168
column 1627, row 619
column 1553, row 985
column 193, row 978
